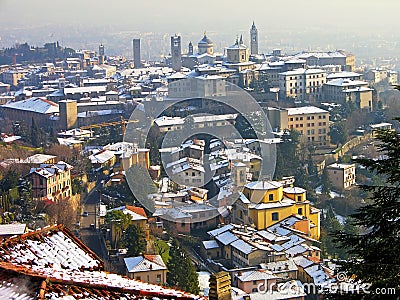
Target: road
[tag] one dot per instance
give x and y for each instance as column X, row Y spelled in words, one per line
column 89, row 232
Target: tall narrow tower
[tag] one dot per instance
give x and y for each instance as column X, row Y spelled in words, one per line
column 176, row 52
column 190, row 48
column 137, row 63
column 101, row 54
column 253, row 40
column 101, row 49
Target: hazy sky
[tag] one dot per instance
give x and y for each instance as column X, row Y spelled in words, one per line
column 274, row 19
column 179, row 15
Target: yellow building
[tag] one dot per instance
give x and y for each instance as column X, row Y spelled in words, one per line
column 264, row 203
column 312, row 122
column 237, row 56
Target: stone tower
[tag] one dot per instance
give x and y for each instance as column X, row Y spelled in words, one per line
column 137, row 63
column 253, row 40
column 176, row 53
column 190, row 48
column 101, row 54
column 68, row 114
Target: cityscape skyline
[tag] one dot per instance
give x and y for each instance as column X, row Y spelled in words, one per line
column 287, row 26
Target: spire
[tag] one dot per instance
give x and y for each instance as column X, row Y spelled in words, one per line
column 253, row 27
column 205, row 33
column 241, row 39
column 237, row 40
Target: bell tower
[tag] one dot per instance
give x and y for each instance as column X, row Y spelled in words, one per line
column 253, row 40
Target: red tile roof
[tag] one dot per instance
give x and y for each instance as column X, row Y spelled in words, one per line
column 137, row 210
column 56, row 264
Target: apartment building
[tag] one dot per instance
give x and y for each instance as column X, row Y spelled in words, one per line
column 312, row 122
column 51, row 181
column 342, row 90
column 302, row 84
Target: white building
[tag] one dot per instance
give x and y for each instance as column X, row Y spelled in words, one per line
column 302, row 84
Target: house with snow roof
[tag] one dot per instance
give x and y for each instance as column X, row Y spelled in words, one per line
column 250, row 281
column 147, row 268
column 41, row 110
column 51, row 181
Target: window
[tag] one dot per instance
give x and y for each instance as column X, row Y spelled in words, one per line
column 299, row 198
column 158, row 278
column 271, row 197
column 254, row 282
column 275, row 216
column 300, row 211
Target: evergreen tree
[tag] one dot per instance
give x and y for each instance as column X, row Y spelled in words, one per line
column 181, row 272
column 135, row 240
column 375, row 250
column 326, row 186
column 287, row 162
column 34, row 134
column 338, row 133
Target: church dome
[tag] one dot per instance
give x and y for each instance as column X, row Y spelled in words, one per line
column 205, row 40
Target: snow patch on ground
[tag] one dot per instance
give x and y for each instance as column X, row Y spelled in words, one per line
column 332, row 194
column 204, row 278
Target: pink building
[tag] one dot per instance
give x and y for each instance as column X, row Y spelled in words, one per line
column 254, row 281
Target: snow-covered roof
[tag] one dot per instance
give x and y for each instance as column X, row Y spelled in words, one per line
column 344, row 74
column 294, row 190
column 12, row 229
column 168, row 121
column 85, row 89
column 49, row 170
column 76, row 132
column 280, row 266
column 340, row 166
column 54, row 261
column 317, row 273
column 298, row 249
column 226, row 238
column 302, row 71
column 136, row 213
column 37, row 105
column 68, row 142
column 263, row 185
column 302, row 261
column 242, row 246
column 38, row 158
column 101, row 157
column 144, row 263
column 256, row 275
column 335, row 54
column 292, row 289
column 212, row 244
column 54, row 246
column 220, row 230
column 345, row 82
column 9, row 138
column 305, row 110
